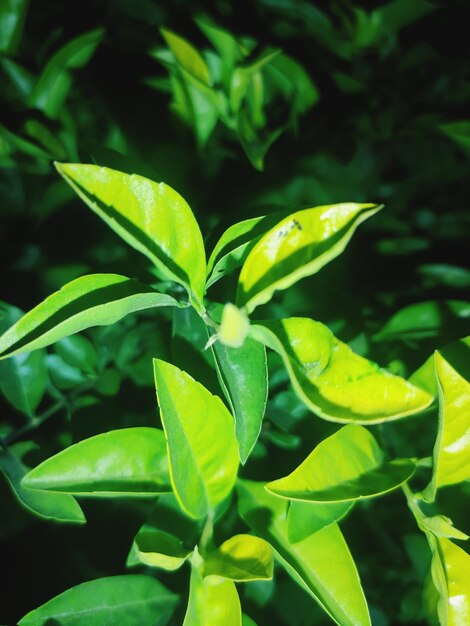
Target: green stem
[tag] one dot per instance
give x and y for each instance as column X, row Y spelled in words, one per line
column 206, row 541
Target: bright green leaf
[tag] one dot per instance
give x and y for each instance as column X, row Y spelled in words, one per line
column 241, row 558
column 60, row 507
column 158, row 548
column 300, row 245
column 93, row 300
column 124, row 600
column 202, row 447
column 187, row 56
column 359, row 470
column 213, row 601
column 234, row 326
column 309, row 562
column 225, row 44
column 331, row 380
column 243, row 376
column 130, row 461
column 306, row 518
column 151, row 217
column 79, row 352
column 442, row 526
column 242, row 76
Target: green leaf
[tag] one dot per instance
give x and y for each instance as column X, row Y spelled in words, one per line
column 458, row 131
column 213, row 601
column 235, row 244
column 202, row 447
column 151, row 217
column 12, row 16
column 426, row 319
column 158, row 548
column 130, row 461
column 225, row 44
column 187, row 56
column 243, row 377
column 23, row 378
column 306, row 518
column 60, row 507
column 54, row 83
column 241, row 558
column 255, row 143
column 321, row 564
column 78, row 352
column 234, row 326
column 333, row 381
column 451, row 457
column 124, row 600
column 300, row 245
column 442, row 526
column 359, row 470
column 93, row 300
column 243, row 75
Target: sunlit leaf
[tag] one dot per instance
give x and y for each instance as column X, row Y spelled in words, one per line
column 300, row 245
column 306, row 518
column 93, row 300
column 151, row 217
column 309, row 562
column 130, row 461
column 333, row 381
column 241, row 558
column 202, row 447
column 127, row 600
column 158, row 548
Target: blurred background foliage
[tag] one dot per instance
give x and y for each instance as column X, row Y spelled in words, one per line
column 245, row 108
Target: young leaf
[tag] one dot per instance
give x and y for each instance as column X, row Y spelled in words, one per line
column 243, row 377
column 236, row 242
column 331, row 380
column 23, row 378
column 187, row 57
column 202, row 447
column 125, row 600
column 93, row 300
column 359, row 470
column 130, row 461
column 158, row 548
column 151, row 217
column 60, row 507
column 321, row 564
column 306, row 518
column 213, row 601
column 300, row 245
column 452, row 448
column 53, row 85
column 241, row 558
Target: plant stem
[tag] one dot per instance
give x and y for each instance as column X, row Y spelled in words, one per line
column 207, row 536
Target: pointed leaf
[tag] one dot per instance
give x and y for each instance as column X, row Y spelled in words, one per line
column 93, row 300
column 202, row 447
column 243, row 376
column 442, row 526
column 187, row 56
column 213, row 601
column 300, row 245
column 359, row 470
column 158, row 548
column 336, row 589
column 306, row 518
column 331, row 380
column 124, row 600
column 241, row 558
column 452, row 450
column 60, row 507
column 151, row 217
column 130, row 461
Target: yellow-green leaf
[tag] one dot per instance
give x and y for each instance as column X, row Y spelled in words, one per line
column 158, row 548
column 348, row 465
column 151, row 217
column 202, row 447
column 306, row 518
column 241, row 558
column 187, row 56
column 337, row 589
column 298, row 246
column 333, row 381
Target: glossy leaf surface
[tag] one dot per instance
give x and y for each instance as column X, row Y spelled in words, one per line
column 158, row 548
column 123, row 600
column 60, row 507
column 202, row 447
column 452, row 449
column 298, row 246
column 333, row 381
column 244, row 379
column 309, row 562
column 306, row 518
column 23, row 378
column 93, row 300
column 213, row 601
column 359, row 470
column 151, row 217
column 130, row 461
column 241, row 558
